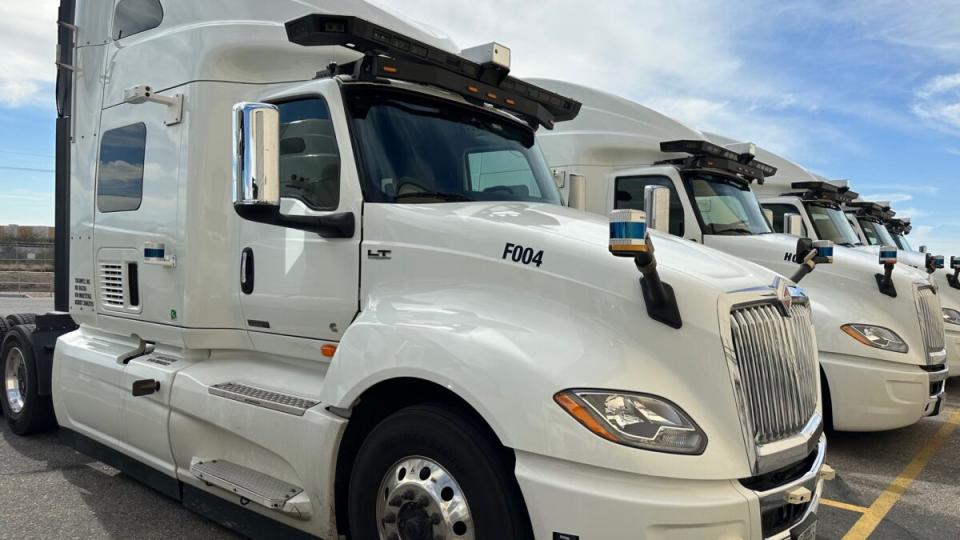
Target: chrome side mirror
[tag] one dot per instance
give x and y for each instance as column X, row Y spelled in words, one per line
column 656, row 204
column 793, row 224
column 256, row 157
column 577, row 197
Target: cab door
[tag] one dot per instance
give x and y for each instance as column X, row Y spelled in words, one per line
column 293, row 282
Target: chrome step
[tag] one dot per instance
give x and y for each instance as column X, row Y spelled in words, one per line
column 263, row 398
column 253, row 486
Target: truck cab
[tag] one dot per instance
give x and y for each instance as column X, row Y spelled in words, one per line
column 615, row 148
column 321, row 284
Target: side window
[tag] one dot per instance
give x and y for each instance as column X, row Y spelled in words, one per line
column 120, row 173
column 629, row 194
column 507, row 171
column 780, row 210
column 135, row 16
column 309, row 158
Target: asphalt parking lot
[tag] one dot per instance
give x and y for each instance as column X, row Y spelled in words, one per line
column 890, row 485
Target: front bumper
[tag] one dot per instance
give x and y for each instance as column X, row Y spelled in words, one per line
column 874, row 395
column 570, row 500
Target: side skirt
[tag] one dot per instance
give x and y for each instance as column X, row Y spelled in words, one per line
column 231, row 516
column 227, row 514
column 144, row 474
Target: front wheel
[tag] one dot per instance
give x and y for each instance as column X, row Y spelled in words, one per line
column 25, row 409
column 426, row 472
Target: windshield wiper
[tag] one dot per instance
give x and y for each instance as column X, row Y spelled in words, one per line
column 439, row 195
column 731, row 230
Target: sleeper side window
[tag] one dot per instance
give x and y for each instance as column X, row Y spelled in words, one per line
column 629, row 194
column 780, row 210
column 120, row 171
column 135, row 16
column 309, row 157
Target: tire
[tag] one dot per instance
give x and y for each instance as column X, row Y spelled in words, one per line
column 20, row 318
column 4, row 327
column 481, row 471
column 31, row 413
column 827, row 403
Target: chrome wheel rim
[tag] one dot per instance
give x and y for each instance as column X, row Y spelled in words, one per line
column 420, row 500
column 15, row 380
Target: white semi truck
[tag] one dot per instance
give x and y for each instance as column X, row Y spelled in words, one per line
column 879, row 328
column 315, row 280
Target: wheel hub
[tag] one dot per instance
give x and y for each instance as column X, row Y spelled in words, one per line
column 15, row 380
column 420, row 500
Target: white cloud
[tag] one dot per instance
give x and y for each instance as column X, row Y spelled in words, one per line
column 29, row 31
column 954, row 151
column 683, row 58
column 938, row 102
column 893, row 198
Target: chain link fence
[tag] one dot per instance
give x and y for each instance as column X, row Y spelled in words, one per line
column 26, row 259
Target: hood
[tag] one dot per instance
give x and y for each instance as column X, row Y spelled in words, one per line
column 911, row 258
column 575, row 243
column 531, row 290
column 843, row 292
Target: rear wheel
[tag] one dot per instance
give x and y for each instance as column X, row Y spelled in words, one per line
column 25, row 410
column 426, row 473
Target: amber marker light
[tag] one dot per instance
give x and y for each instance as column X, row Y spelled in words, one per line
column 390, row 69
column 473, row 89
column 856, row 335
column 328, row 350
column 582, row 415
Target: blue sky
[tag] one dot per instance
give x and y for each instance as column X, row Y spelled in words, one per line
column 867, row 90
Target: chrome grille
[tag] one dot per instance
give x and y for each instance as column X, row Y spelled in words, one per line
column 111, row 285
column 777, row 362
column 931, row 320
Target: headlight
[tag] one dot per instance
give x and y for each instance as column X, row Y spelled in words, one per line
column 637, row 420
column 951, row 316
column 876, row 336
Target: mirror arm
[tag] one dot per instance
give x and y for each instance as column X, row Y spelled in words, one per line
column 339, row 225
column 885, row 281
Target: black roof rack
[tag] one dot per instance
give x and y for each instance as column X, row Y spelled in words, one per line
column 899, row 226
column 391, row 55
column 706, row 155
column 824, row 191
column 871, row 210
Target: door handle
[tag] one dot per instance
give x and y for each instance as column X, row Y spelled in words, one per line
column 145, row 387
column 246, row 271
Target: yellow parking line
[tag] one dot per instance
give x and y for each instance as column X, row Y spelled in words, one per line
column 870, row 519
column 844, row 506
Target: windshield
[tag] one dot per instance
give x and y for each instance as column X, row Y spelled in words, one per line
column 422, row 149
column 726, row 206
column 876, row 233
column 830, row 223
column 901, row 241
